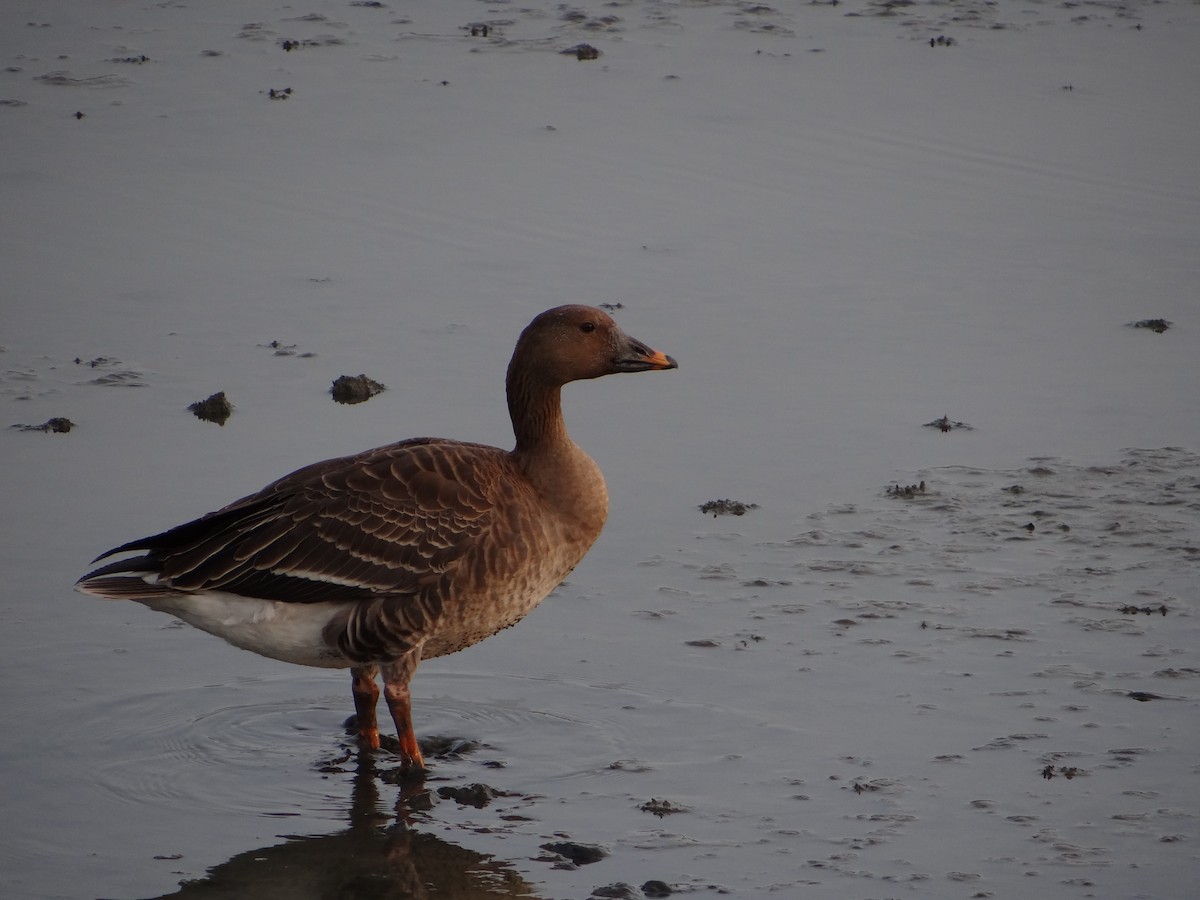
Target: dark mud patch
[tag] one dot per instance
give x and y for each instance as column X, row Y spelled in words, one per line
column 945, row 423
column 214, row 408
column 582, row 52
column 477, row 795
column 1161, row 610
column 726, row 508
column 575, row 853
column 355, row 388
column 617, row 891
column 1145, row 696
column 662, row 808
column 282, row 349
column 54, row 425
column 655, row 888
column 448, row 747
column 907, row 491
column 1158, row 326
column 1067, row 772
column 325, row 40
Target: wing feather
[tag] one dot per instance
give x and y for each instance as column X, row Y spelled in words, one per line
column 381, row 523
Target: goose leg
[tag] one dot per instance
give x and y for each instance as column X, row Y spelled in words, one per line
column 396, row 676
column 366, row 694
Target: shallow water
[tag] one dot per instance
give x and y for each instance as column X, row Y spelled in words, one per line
column 842, row 233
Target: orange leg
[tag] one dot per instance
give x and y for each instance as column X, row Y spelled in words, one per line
column 366, row 694
column 396, row 676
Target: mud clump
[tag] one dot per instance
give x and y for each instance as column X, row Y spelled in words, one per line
column 1144, row 696
column 906, row 491
column 446, row 747
column 1158, row 326
column 726, row 507
column 1148, row 610
column 54, row 425
column 945, row 423
column 582, row 52
column 355, row 388
column 477, row 795
column 282, row 349
column 616, row 891
column 578, row 854
column 1067, row 772
column 215, row 408
column 662, row 808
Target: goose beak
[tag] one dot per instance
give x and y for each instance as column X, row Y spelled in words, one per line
column 637, row 357
column 660, row 360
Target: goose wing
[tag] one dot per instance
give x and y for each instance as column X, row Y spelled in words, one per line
column 387, row 522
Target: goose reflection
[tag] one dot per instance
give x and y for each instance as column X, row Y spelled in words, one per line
column 379, row 857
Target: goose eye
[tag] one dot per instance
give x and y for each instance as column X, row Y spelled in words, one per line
column 587, row 327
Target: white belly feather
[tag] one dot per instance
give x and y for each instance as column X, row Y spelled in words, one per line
column 291, row 632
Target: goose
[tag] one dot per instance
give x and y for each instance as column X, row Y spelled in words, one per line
column 376, row 561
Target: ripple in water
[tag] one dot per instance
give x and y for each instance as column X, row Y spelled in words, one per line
column 260, row 746
column 209, row 747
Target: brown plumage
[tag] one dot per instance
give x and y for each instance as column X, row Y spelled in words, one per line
column 405, row 552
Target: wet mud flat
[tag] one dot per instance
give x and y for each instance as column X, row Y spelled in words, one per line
column 1006, row 654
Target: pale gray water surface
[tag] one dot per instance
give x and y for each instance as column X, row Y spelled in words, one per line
column 986, row 688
